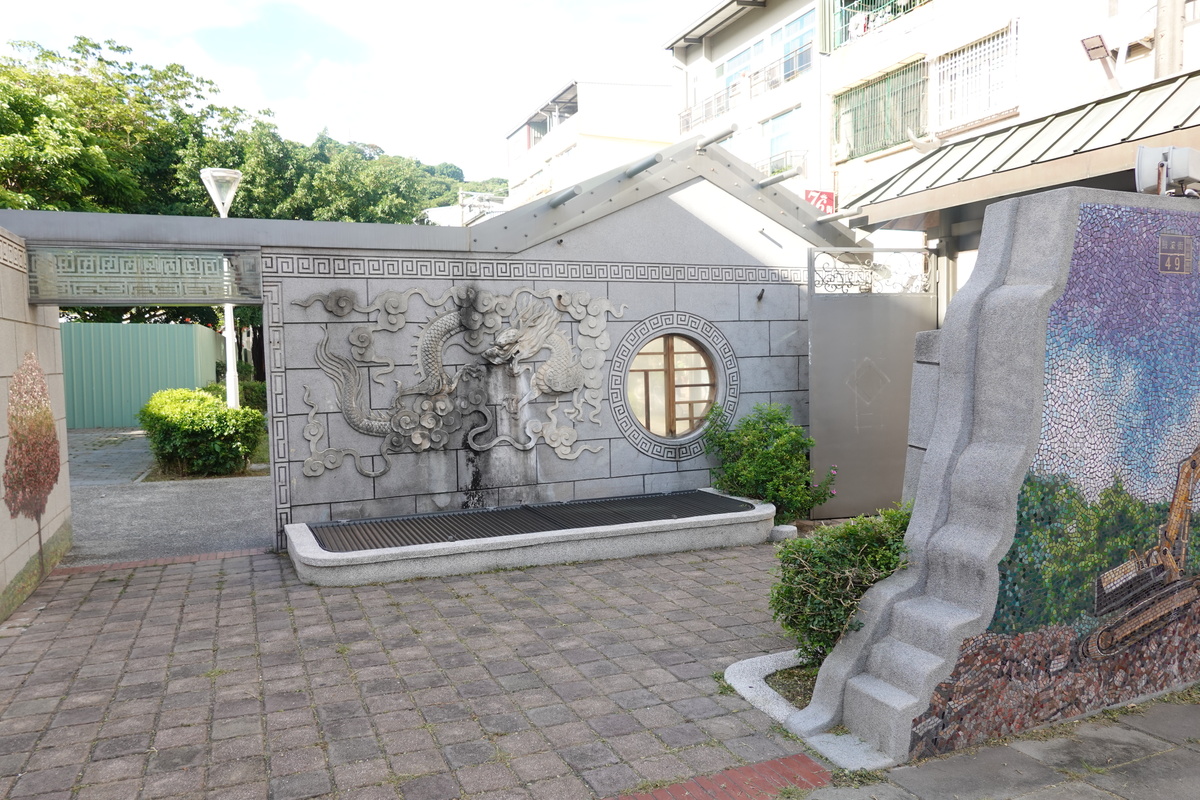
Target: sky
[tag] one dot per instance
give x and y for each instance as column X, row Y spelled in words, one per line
column 436, row 81
column 1123, row 357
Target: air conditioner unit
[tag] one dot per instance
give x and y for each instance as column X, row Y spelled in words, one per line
column 841, row 151
column 1183, row 167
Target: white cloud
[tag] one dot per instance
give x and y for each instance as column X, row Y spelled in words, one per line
column 434, row 81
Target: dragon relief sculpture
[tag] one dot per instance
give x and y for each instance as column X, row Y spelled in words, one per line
column 537, row 329
column 424, row 415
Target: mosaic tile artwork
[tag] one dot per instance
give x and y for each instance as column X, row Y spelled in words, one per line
column 1099, row 598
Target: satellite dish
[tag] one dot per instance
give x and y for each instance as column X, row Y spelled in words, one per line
column 1183, row 167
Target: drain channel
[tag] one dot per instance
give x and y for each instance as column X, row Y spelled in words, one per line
column 483, row 523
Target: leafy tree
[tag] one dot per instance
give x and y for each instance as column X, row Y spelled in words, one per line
column 1100, row 537
column 1045, row 511
column 1062, row 543
column 92, row 130
column 181, row 315
column 31, row 465
column 88, row 132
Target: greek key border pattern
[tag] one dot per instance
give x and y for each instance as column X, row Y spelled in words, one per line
column 284, row 265
column 79, row 275
column 704, row 332
column 272, row 292
column 12, row 254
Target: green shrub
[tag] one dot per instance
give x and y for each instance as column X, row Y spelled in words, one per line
column 765, row 456
column 254, row 394
column 193, row 433
column 245, row 371
column 251, row 394
column 822, row 577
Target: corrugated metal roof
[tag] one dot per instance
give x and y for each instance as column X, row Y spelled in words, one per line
column 1168, row 105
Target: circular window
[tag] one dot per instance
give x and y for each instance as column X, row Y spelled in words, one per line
column 665, row 374
column 671, row 386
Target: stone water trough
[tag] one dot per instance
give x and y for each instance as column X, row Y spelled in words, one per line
column 348, row 553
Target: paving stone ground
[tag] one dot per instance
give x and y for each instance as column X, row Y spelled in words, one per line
column 108, row 456
column 230, row 678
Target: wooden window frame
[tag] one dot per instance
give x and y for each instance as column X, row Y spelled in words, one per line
column 679, row 413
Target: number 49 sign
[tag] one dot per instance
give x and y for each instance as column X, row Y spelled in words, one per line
column 822, row 200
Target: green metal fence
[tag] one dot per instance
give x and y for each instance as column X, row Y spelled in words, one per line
column 110, row 370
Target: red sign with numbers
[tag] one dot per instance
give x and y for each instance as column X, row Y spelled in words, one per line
column 822, row 200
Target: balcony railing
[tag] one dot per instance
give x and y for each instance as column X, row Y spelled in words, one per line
column 857, row 19
column 781, row 162
column 772, row 76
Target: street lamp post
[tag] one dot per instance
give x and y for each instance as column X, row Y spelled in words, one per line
column 222, row 185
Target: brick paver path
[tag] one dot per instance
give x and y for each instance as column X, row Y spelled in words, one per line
column 229, row 678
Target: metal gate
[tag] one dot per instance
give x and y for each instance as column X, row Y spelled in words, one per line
column 865, row 308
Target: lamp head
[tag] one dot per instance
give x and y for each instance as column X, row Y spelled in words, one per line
column 222, row 185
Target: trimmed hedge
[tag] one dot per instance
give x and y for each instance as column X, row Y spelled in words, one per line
column 822, row 577
column 193, row 433
column 251, row 394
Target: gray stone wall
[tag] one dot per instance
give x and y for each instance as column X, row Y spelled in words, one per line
column 26, row 329
column 979, row 406
column 366, row 318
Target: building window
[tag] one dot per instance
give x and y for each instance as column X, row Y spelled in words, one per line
column 976, row 81
column 671, row 386
column 881, row 113
column 735, row 67
column 783, row 140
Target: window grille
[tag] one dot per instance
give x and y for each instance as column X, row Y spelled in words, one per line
column 878, row 114
column 976, row 81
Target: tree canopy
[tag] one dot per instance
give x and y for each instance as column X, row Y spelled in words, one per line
column 92, row 130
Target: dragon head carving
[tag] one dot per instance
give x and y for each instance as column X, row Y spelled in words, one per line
column 533, row 324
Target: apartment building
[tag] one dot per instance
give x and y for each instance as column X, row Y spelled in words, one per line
column 756, row 66
column 850, row 92
column 585, row 129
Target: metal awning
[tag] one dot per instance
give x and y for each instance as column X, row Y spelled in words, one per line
column 712, row 22
column 1094, row 140
column 564, row 103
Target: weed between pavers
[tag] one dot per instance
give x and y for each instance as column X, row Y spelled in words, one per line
column 723, row 686
column 784, row 733
column 647, row 786
column 854, row 778
column 793, row 793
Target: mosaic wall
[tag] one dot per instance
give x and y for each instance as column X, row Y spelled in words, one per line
column 1099, row 600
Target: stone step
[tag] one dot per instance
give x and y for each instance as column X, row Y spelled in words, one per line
column 879, row 713
column 930, row 623
column 902, row 665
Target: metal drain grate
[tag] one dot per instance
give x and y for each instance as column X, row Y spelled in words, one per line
column 483, row 523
